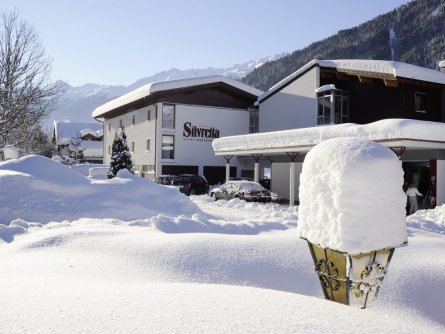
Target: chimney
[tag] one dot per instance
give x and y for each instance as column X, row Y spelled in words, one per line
column 442, row 66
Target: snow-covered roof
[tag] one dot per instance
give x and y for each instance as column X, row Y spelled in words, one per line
column 88, row 131
column 65, row 131
column 93, row 149
column 384, row 68
column 154, row 87
column 394, row 132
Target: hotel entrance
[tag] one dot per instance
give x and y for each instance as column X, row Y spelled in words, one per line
column 423, row 175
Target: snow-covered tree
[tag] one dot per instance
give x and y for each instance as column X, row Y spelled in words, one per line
column 120, row 155
column 76, row 149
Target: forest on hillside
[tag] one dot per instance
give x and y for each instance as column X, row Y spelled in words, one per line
column 413, row 33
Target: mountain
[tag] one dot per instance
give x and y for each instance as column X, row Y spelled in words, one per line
column 413, row 33
column 77, row 103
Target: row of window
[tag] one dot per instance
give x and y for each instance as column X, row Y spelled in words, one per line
column 333, row 106
column 168, row 146
column 168, row 117
column 145, row 169
column 133, row 146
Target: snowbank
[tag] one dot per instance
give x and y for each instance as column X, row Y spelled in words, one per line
column 147, row 281
column 157, row 275
column 430, row 220
column 37, row 189
column 351, row 197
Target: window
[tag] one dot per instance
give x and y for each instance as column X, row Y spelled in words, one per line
column 132, row 146
column 148, row 169
column 133, row 120
column 420, row 101
column 332, row 107
column 109, row 127
column 136, row 168
column 168, row 147
column 147, row 145
column 121, row 123
column 168, row 116
column 253, row 120
column 148, row 115
column 109, row 149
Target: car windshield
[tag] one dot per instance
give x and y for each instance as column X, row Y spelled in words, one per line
column 189, row 178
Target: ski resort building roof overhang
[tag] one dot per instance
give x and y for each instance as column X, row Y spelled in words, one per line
column 389, row 71
column 416, row 137
column 157, row 89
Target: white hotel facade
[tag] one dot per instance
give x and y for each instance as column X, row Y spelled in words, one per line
column 170, row 125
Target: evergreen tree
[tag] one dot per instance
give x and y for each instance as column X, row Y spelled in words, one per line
column 120, row 155
column 76, row 149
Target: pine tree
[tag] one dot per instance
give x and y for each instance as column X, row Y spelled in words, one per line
column 120, row 155
column 76, row 149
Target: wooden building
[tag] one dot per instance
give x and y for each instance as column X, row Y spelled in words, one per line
column 330, row 92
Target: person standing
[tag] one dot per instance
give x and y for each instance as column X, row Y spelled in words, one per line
column 412, row 194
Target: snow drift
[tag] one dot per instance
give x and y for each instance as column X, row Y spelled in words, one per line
column 37, row 189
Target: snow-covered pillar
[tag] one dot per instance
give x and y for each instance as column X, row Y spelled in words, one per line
column 292, row 156
column 228, row 158
column 256, row 171
column 350, row 233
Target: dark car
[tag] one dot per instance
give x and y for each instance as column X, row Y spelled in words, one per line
column 164, row 179
column 265, row 183
column 191, row 184
column 247, row 190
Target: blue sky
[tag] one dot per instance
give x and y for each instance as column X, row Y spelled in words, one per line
column 117, row 42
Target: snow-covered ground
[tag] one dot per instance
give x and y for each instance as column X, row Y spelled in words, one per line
column 196, row 267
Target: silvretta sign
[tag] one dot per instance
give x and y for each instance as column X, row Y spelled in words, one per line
column 199, row 133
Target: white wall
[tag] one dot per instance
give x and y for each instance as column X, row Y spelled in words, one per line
column 440, row 182
column 137, row 133
column 198, row 151
column 281, row 176
column 294, row 106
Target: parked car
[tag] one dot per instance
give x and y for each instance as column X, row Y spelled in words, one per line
column 164, row 179
column 191, row 184
column 247, row 190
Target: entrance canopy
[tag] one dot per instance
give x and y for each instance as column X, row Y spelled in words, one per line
column 418, row 139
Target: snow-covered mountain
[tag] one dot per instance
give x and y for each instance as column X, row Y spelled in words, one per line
column 77, row 103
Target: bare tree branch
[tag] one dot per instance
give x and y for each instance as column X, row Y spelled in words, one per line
column 27, row 96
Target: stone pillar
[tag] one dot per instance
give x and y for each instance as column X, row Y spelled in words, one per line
column 292, row 156
column 256, row 173
column 228, row 158
column 227, row 171
column 292, row 184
